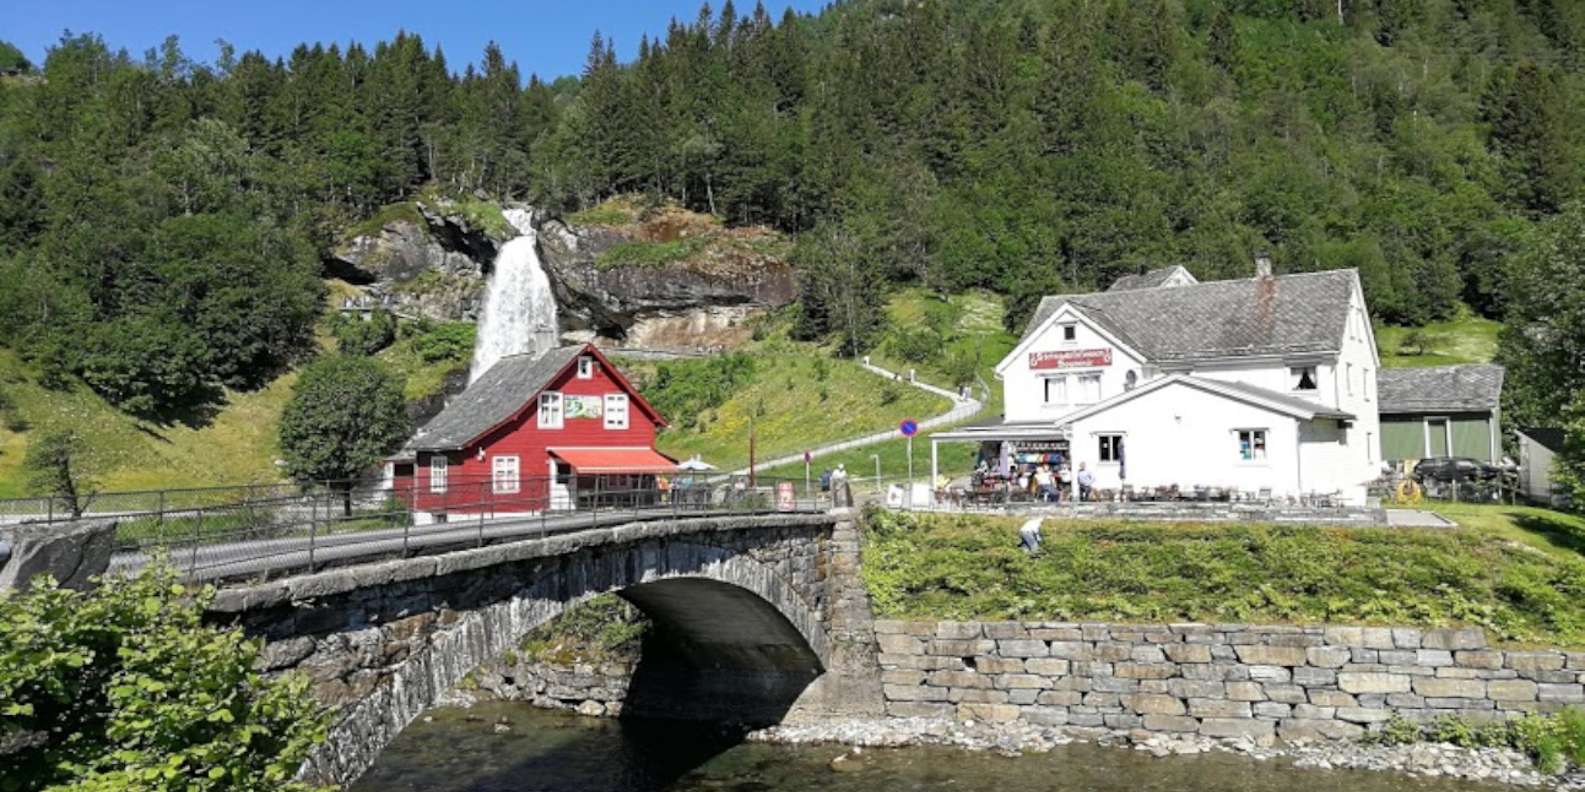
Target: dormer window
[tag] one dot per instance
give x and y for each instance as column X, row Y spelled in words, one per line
column 1303, row 378
column 1070, row 332
column 586, row 367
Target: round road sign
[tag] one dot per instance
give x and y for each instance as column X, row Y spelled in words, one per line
column 908, row 427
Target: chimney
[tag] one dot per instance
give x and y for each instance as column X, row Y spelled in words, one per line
column 1262, row 264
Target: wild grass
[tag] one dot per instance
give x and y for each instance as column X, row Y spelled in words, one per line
column 1467, row 339
column 970, row 567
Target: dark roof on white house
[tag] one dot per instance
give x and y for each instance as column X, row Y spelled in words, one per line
column 1286, row 314
column 1550, row 438
column 1470, row 388
column 494, row 397
column 1153, row 279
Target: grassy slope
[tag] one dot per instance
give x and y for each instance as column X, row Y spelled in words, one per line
column 784, row 401
column 1467, row 339
column 963, row 567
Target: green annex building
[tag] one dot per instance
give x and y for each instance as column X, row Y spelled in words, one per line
column 1442, row 411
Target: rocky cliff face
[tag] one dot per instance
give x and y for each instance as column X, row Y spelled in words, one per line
column 428, row 259
column 699, row 302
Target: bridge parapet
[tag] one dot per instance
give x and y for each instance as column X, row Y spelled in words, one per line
column 746, row 596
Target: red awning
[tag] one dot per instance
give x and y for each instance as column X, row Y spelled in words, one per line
column 615, row 460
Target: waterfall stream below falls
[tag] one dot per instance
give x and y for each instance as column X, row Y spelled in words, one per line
column 519, row 314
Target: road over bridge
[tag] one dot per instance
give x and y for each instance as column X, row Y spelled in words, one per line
column 756, row 617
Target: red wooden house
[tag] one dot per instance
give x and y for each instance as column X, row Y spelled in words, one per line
column 534, row 433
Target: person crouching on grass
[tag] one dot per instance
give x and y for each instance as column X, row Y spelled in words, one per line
column 1029, row 536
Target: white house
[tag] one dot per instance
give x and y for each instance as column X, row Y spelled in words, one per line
column 1259, row 384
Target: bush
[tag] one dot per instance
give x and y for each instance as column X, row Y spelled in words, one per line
column 345, row 414
column 359, row 336
column 604, row 627
column 683, row 390
column 124, row 687
column 451, row 341
column 1552, row 741
column 915, row 346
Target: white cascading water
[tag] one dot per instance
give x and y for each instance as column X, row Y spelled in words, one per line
column 519, row 309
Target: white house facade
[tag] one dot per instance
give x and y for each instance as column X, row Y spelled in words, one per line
column 1262, row 385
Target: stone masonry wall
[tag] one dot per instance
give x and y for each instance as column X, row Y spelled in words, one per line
column 1218, row 680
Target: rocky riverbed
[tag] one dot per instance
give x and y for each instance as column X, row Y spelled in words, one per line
column 1428, row 760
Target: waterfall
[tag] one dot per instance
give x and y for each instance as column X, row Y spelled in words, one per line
column 519, row 309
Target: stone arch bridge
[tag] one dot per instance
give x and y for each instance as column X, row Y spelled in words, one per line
column 758, row 616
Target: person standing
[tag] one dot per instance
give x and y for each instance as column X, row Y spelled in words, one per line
column 1086, row 482
column 1065, row 478
column 1045, row 483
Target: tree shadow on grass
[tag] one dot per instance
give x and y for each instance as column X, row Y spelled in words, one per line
column 1557, row 531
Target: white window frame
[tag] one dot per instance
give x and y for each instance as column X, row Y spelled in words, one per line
column 608, row 413
column 510, row 484
column 1061, row 389
column 1084, row 394
column 586, row 367
column 1264, row 455
column 1348, row 377
column 552, row 412
column 1296, row 373
column 439, row 473
column 1364, row 382
column 1100, row 447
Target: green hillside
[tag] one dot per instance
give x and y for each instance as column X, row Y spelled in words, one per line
column 1466, row 339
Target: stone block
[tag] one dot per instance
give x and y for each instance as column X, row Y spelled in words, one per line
column 902, row 677
column 1017, row 681
column 1188, row 653
column 1362, row 715
column 1171, row 723
column 1318, row 729
column 1004, row 630
column 1272, row 709
column 1060, row 698
column 1378, row 638
column 1258, row 655
column 1449, row 688
column 1056, row 633
column 1218, row 708
column 1534, row 661
column 1332, row 698
column 959, row 679
column 913, row 693
column 1312, row 712
column 1072, row 650
column 1288, row 694
column 991, row 664
column 1023, row 696
column 1122, row 720
column 1344, row 636
column 1327, row 656
column 1145, row 670
column 1453, row 672
column 1045, row 716
column 1245, row 691
column 1153, row 704
column 1147, row 654
column 1238, row 727
column 1309, row 677
column 1269, row 673
column 895, row 643
column 1364, row 655
column 890, row 627
column 959, row 630
column 1196, row 688
column 966, row 647
column 1511, row 690
column 1402, row 657
column 1371, row 682
column 919, row 709
column 1405, row 701
column 1111, row 652
column 1103, row 700
column 990, row 713
column 976, row 695
column 1433, row 657
column 1572, row 694
column 1108, row 684
column 1407, row 637
column 1050, row 666
column 1470, row 638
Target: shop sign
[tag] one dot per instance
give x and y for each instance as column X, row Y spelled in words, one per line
column 786, row 499
column 1070, row 358
column 584, row 406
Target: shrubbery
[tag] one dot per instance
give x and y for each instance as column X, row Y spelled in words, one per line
column 1554, row 741
column 970, row 567
column 124, row 688
column 685, row 389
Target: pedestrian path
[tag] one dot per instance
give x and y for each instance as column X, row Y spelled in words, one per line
column 963, row 407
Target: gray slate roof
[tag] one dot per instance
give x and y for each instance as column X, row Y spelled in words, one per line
column 1470, row 388
column 1287, row 314
column 1293, row 402
column 1148, row 280
column 491, row 399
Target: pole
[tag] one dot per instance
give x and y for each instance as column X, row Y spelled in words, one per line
column 751, row 451
column 806, row 474
column 935, row 467
column 313, row 529
column 198, row 523
column 481, row 512
column 877, row 458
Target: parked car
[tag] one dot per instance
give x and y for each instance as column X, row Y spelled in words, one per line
column 1448, row 469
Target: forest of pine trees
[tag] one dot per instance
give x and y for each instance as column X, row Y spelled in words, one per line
column 162, row 220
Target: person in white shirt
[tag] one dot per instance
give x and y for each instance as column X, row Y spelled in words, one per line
column 1086, row 482
column 1029, row 536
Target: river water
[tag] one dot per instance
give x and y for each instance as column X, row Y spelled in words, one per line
column 461, row 750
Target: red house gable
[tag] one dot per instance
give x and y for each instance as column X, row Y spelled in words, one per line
column 494, row 433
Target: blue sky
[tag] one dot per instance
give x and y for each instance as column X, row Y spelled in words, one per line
column 545, row 37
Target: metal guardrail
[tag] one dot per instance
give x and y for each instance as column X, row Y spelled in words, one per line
column 279, row 532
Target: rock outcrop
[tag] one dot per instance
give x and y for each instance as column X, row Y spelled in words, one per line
column 71, row 553
column 426, row 260
column 698, row 303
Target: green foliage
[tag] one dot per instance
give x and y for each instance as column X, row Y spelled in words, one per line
column 914, row 345
column 605, row 627
column 1553, row 741
column 356, row 335
column 58, row 466
column 124, row 687
column 346, row 413
column 12, row 59
column 967, row 567
column 650, row 254
column 684, row 390
column 449, row 341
